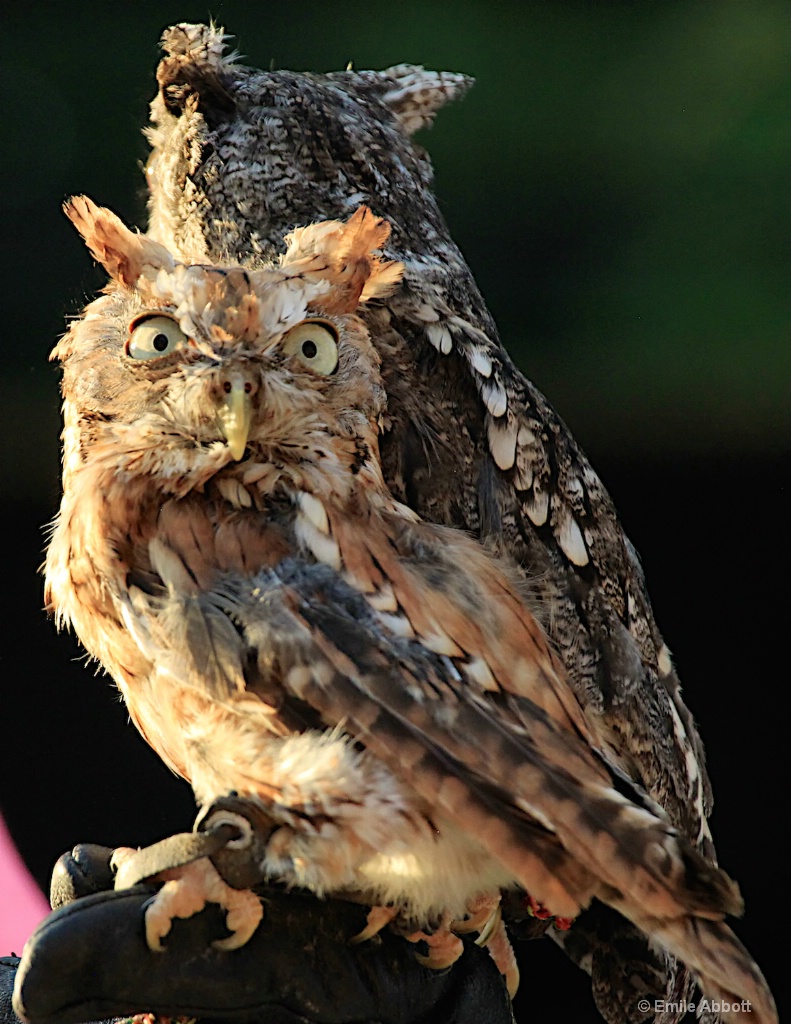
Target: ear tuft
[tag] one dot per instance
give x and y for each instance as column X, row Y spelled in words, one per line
column 345, row 253
column 123, row 253
column 414, row 95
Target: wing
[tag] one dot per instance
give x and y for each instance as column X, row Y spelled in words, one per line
column 503, row 755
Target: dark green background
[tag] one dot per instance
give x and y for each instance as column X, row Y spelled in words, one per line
column 619, row 181
column 618, row 177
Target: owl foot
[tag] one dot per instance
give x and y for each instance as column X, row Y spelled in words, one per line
column 482, row 916
column 495, row 938
column 378, row 918
column 444, row 948
column 186, row 892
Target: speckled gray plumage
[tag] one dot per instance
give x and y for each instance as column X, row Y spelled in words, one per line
column 240, row 157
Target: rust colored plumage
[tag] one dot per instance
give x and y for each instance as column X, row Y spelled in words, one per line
column 281, row 626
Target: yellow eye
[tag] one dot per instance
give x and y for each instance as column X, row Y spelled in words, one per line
column 315, row 344
column 153, row 337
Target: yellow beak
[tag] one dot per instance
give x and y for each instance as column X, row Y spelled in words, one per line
column 235, row 415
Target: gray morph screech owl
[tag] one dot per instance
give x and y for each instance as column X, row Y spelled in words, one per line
column 239, row 158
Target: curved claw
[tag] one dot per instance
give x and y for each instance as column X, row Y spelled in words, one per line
column 378, row 918
column 482, row 916
column 492, row 924
column 502, row 952
column 245, row 913
column 186, row 892
column 444, row 948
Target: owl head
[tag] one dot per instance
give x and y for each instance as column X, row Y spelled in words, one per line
column 181, row 369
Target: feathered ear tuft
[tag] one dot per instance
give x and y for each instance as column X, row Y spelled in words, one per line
column 122, row 253
column 414, row 95
column 344, row 252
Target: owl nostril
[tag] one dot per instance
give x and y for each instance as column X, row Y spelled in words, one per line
column 238, row 382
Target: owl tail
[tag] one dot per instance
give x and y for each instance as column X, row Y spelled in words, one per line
column 660, row 883
column 733, row 986
column 653, row 877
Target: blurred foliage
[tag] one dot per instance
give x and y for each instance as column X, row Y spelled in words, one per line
column 618, row 180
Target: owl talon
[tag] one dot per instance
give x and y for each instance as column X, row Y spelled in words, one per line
column 482, row 915
column 485, row 917
column 490, row 928
column 501, row 951
column 186, row 892
column 378, row 918
column 444, row 948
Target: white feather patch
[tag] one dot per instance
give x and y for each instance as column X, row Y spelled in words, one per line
column 440, row 338
column 322, row 547
column 399, row 625
column 480, row 360
column 523, row 477
column 571, row 541
column 169, row 567
column 298, row 679
column 693, row 769
column 665, row 661
column 312, row 509
column 257, row 471
column 537, row 506
column 495, row 399
column 234, row 493
column 478, row 671
column 502, row 442
column 441, row 643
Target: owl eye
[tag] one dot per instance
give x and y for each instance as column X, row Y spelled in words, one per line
column 315, row 344
column 153, row 337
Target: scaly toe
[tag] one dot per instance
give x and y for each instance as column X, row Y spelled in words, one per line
column 245, row 913
column 186, row 892
column 378, row 918
column 444, row 948
column 501, row 951
column 480, row 914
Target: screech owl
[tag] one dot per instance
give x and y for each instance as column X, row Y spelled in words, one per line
column 281, row 626
column 239, row 157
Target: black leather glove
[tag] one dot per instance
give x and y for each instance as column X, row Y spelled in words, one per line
column 89, row 960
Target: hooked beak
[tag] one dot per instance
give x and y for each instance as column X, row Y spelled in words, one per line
column 235, row 416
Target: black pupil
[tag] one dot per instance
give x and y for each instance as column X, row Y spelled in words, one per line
column 160, row 342
column 309, row 349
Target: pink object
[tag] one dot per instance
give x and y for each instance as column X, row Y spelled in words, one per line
column 22, row 904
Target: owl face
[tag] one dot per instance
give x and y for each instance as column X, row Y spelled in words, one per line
column 182, row 369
